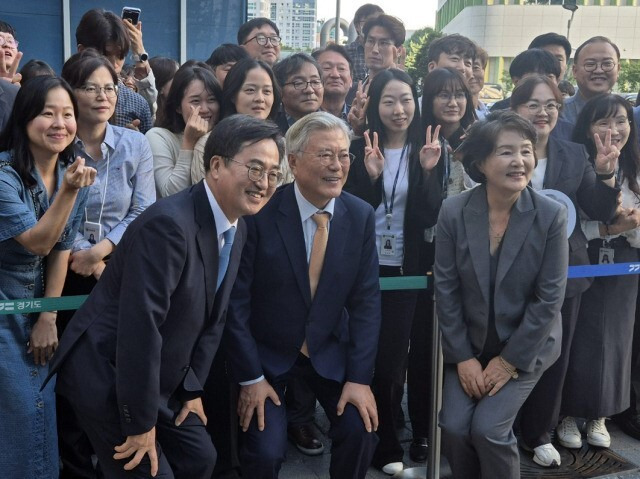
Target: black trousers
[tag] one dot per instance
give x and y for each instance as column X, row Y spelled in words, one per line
column 540, row 413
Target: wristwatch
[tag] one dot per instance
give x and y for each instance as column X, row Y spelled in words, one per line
column 143, row 57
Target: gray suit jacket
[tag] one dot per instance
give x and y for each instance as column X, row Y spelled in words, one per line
column 8, row 92
column 530, row 279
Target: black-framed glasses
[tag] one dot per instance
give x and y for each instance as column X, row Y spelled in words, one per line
column 534, row 107
column 94, row 90
column 302, row 85
column 10, row 42
column 257, row 172
column 262, row 40
column 327, row 157
column 605, row 65
column 383, row 43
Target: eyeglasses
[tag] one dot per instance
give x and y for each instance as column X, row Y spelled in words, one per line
column 327, row 157
column 605, row 65
column 263, row 40
column 620, row 123
column 383, row 43
column 535, row 107
column 302, row 85
column 445, row 96
column 109, row 90
column 9, row 42
column 257, row 172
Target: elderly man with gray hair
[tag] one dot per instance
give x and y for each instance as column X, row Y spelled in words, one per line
column 296, row 312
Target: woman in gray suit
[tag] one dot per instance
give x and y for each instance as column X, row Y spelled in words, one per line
column 500, row 276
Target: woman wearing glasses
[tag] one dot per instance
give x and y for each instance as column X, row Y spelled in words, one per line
column 598, row 379
column 562, row 166
column 124, row 187
column 190, row 111
column 392, row 171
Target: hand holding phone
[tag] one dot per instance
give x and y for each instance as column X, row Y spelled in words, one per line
column 132, row 14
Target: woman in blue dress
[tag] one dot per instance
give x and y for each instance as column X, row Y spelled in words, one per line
column 41, row 204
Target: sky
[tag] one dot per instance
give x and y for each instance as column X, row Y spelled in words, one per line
column 414, row 13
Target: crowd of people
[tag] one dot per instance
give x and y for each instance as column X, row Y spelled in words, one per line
column 230, row 220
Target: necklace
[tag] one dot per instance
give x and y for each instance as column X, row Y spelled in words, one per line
column 497, row 234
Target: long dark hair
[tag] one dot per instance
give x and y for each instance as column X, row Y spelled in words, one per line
column 29, row 103
column 444, row 79
column 171, row 119
column 236, row 78
column 604, row 106
column 415, row 136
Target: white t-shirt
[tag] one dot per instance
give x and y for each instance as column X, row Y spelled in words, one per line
column 537, row 180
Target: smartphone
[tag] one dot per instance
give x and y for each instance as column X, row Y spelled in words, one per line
column 132, row 14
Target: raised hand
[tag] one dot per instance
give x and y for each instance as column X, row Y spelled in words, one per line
column 607, row 154
column 10, row 73
column 78, row 175
column 373, row 158
column 358, row 111
column 196, row 127
column 430, row 152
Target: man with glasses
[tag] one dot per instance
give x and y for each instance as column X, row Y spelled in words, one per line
column 9, row 54
column 300, row 78
column 298, row 313
column 596, row 66
column 260, row 37
column 383, row 36
column 355, row 49
column 135, row 357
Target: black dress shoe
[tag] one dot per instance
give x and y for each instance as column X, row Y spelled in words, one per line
column 418, row 450
column 630, row 424
column 306, row 440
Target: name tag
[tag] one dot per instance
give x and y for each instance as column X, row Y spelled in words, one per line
column 92, row 232
column 388, row 245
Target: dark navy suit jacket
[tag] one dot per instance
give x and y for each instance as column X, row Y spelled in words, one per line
column 148, row 332
column 271, row 311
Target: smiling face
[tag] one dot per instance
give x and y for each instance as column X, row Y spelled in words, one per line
column 98, row 107
column 236, row 194
column 319, row 183
column 397, row 107
column 336, row 74
column 268, row 53
column 449, row 106
column 509, row 167
column 543, row 119
column 55, row 126
column 619, row 125
column 299, row 103
column 596, row 81
column 255, row 97
column 456, row 61
column 9, row 49
column 476, row 82
column 196, row 95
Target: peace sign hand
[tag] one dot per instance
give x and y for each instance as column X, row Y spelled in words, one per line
column 607, row 154
column 430, row 152
column 373, row 158
column 358, row 111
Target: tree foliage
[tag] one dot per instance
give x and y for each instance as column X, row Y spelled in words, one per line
column 629, row 78
column 417, row 49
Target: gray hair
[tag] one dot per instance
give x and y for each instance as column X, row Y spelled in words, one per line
column 298, row 134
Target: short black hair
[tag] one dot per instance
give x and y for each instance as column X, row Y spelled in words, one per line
column 98, row 27
column 453, row 44
column 164, row 68
column 236, row 78
column 534, row 60
column 444, row 79
column 34, row 68
column 292, row 65
column 246, row 28
column 225, row 53
column 565, row 86
column 366, row 10
column 552, row 38
column 236, row 132
column 6, row 28
column 334, row 47
column 393, row 25
column 481, row 137
column 596, row 39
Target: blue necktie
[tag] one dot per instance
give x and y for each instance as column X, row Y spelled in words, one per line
column 225, row 252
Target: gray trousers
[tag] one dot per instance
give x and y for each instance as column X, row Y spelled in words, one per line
column 477, row 435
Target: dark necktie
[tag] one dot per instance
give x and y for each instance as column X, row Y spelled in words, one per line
column 225, row 252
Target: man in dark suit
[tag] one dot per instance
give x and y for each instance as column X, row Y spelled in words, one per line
column 297, row 313
column 135, row 357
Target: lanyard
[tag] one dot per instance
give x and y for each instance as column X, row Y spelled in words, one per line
column 104, row 194
column 388, row 207
column 447, row 167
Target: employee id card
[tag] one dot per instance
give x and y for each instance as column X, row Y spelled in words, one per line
column 388, row 245
column 92, row 232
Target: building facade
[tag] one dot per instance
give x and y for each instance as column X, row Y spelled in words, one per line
column 296, row 20
column 258, row 8
column 506, row 27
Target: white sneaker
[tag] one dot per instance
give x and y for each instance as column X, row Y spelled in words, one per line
column 597, row 434
column 546, row 456
column 568, row 433
column 393, row 468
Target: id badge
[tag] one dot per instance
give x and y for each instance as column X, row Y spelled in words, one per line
column 388, row 245
column 605, row 256
column 92, row 232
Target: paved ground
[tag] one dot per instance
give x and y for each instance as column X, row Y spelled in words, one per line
column 299, row 466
